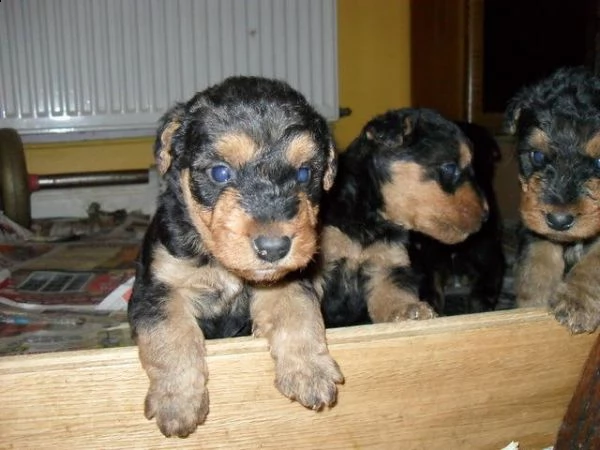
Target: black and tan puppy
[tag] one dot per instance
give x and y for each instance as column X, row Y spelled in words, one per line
column 410, row 169
column 557, row 126
column 466, row 277
column 245, row 164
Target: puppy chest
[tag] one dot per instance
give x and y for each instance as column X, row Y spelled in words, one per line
column 217, row 295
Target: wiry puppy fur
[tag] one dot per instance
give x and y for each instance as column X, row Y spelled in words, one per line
column 557, row 126
column 245, row 163
column 478, row 262
column 409, row 169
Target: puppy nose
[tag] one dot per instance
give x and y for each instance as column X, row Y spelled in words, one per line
column 560, row 221
column 272, row 248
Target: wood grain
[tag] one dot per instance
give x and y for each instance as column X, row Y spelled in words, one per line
column 469, row 382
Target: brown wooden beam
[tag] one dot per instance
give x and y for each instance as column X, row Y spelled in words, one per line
column 580, row 428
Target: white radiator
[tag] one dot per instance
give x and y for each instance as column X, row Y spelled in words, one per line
column 72, row 66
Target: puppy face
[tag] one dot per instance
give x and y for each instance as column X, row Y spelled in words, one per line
column 557, row 125
column 249, row 159
column 427, row 182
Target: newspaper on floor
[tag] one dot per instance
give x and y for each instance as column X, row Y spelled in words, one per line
column 11, row 231
column 70, row 264
column 65, row 284
column 75, row 276
column 26, row 332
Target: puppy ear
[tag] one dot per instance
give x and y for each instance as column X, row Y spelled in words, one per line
column 408, row 125
column 331, row 168
column 169, row 124
column 511, row 119
column 392, row 128
column 518, row 107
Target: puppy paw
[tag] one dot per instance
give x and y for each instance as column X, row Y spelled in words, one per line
column 575, row 309
column 310, row 381
column 179, row 412
column 413, row 311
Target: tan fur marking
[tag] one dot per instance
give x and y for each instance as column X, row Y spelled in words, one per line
column 512, row 125
column 575, row 302
column 586, row 211
column 386, row 302
column 301, row 150
column 173, row 356
column 200, row 216
column 233, row 230
column 539, row 140
column 538, row 272
column 408, row 126
column 523, row 183
column 330, row 169
column 423, row 206
column 191, row 282
column 592, row 147
column 236, row 149
column 466, row 156
column 163, row 160
column 592, row 187
column 530, row 208
column 336, row 245
column 392, row 255
column 227, row 232
column 172, row 352
column 291, row 321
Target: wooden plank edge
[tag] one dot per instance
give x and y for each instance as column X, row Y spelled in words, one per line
column 336, row 337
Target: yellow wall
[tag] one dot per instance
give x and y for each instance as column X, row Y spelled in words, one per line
column 374, row 61
column 374, row 75
column 86, row 156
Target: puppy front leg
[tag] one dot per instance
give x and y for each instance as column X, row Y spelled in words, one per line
column 576, row 301
column 172, row 353
column 288, row 315
column 392, row 296
column 538, row 272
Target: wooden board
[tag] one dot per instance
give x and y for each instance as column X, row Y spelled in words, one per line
column 469, row 382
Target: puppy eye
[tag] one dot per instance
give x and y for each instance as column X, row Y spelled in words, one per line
column 450, row 172
column 303, row 174
column 538, row 159
column 220, row 174
column 597, row 163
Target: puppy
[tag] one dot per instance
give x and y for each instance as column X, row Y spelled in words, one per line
column 474, row 269
column 556, row 123
column 245, row 164
column 408, row 170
